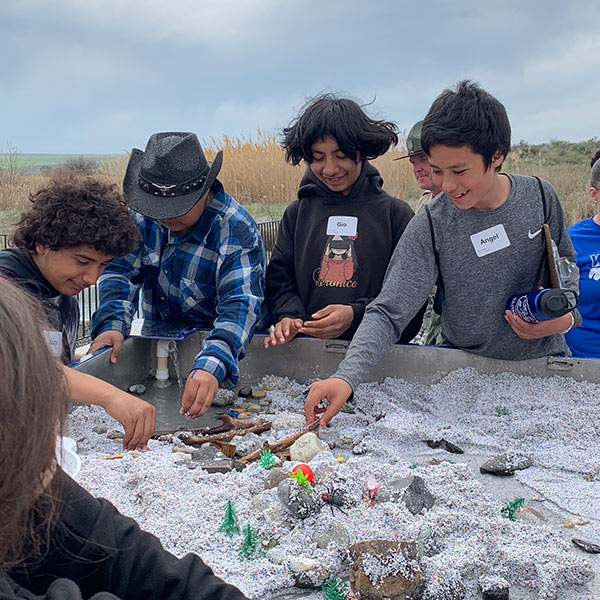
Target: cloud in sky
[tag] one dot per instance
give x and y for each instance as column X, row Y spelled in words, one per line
column 102, row 75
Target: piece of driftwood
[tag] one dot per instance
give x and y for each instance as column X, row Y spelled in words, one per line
column 281, row 445
column 198, row 440
column 228, row 424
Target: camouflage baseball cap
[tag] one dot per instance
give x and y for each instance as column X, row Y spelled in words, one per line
column 413, row 141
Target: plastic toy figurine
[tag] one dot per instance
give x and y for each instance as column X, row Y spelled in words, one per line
column 335, row 589
column 300, row 477
column 236, row 413
column 230, row 525
column 306, row 470
column 335, row 498
column 266, row 459
column 249, row 546
column 372, row 487
column 511, row 507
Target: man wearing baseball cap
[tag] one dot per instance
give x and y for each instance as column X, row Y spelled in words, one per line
column 201, row 259
column 420, row 163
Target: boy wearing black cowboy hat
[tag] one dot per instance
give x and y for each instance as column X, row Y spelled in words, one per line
column 201, row 259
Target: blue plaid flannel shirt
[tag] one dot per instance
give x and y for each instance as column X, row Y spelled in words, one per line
column 213, row 275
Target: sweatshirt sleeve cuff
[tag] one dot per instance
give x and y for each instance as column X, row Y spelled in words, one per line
column 211, row 365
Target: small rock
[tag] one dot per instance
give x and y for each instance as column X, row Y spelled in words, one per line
column 254, row 408
column 313, row 579
column 100, row 429
column 301, row 564
column 296, row 499
column 288, row 421
column 506, row 464
column 262, row 501
column 183, row 449
column 335, row 534
column 497, row 592
column 586, row 546
column 385, row 569
column 258, row 394
column 277, row 555
column 239, row 466
column 115, row 434
column 445, row 445
column 184, row 459
column 245, row 392
column 264, row 402
column 137, row 388
column 417, row 497
column 212, row 460
column 360, row 448
column 224, row 398
column 394, row 490
column 246, row 444
column 305, row 448
column 275, row 477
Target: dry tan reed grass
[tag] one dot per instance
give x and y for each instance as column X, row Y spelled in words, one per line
column 256, row 174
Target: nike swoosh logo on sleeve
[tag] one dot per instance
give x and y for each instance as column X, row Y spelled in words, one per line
column 532, row 235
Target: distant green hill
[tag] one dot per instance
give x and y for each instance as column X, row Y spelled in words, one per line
column 556, row 152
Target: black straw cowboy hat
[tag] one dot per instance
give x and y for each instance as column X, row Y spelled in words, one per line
column 170, row 176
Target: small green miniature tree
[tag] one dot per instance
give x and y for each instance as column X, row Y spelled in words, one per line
column 502, row 411
column 335, row 589
column 300, row 477
column 415, row 466
column 511, row 507
column 266, row 459
column 249, row 546
column 230, row 524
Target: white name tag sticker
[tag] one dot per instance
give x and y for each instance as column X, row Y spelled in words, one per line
column 490, row 240
column 342, row 226
column 54, row 341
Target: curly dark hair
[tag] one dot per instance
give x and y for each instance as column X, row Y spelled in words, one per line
column 343, row 119
column 73, row 211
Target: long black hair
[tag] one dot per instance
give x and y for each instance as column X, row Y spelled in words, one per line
column 343, row 119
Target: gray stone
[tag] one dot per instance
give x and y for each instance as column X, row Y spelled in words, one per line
column 262, row 501
column 277, row 555
column 288, row 421
column 445, row 445
column 506, row 464
column 429, row 540
column 212, row 460
column 296, row 499
column 393, row 491
column 497, row 592
column 258, row 394
column 586, row 546
column 245, row 392
column 335, row 533
column 100, row 429
column 254, row 408
column 305, row 448
column 115, row 434
column 275, row 477
column 360, row 448
column 246, row 444
column 264, row 402
column 417, row 496
column 386, row 569
column 223, row 398
column 137, row 388
column 301, row 564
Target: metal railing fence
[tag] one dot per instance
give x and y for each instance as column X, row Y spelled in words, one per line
column 88, row 298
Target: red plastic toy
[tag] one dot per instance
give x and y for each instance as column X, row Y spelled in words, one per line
column 305, row 470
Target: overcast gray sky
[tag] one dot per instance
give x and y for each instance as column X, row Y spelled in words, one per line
column 95, row 76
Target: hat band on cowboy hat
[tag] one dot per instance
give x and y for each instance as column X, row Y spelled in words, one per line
column 170, row 176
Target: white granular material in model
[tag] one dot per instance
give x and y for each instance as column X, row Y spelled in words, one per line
column 463, row 539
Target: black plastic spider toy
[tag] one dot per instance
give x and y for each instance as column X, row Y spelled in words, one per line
column 335, row 498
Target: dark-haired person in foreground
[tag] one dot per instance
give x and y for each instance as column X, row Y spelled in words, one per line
column 485, row 243
column 335, row 241
column 72, row 229
column 585, row 235
column 57, row 542
column 201, row 260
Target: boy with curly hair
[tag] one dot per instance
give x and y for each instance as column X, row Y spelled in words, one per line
column 73, row 228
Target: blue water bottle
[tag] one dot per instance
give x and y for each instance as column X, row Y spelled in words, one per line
column 542, row 305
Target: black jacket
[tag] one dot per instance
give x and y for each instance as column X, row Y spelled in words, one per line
column 62, row 311
column 310, row 269
column 100, row 550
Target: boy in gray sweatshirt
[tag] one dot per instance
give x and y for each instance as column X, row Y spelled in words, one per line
column 481, row 240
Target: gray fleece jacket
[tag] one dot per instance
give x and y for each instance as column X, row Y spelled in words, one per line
column 485, row 256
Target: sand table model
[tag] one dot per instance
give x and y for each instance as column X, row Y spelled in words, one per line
column 393, row 506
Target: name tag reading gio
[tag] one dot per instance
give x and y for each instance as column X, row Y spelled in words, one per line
column 490, row 240
column 342, row 226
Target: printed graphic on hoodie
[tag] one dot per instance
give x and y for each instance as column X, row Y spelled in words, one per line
column 338, row 264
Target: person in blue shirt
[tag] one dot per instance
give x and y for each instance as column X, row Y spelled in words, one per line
column 585, row 235
column 201, row 259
